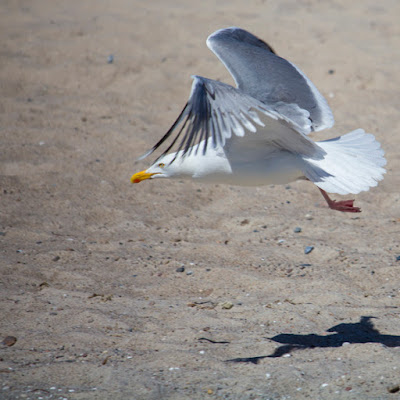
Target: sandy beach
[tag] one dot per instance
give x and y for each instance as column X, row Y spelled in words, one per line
column 176, row 289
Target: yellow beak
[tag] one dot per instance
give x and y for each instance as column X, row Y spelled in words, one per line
column 141, row 176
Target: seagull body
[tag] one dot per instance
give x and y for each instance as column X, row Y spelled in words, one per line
column 257, row 133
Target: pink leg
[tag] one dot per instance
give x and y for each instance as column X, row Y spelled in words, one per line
column 344, row 206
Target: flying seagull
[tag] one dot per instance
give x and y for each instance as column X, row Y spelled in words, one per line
column 257, row 132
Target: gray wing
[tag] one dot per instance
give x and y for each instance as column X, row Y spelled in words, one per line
column 259, row 72
column 215, row 111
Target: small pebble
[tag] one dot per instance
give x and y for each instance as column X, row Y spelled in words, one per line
column 9, row 341
column 180, row 269
column 189, row 273
column 393, row 389
column 110, row 59
column 308, row 249
column 309, row 216
column 227, row 305
column 398, row 258
column 297, row 229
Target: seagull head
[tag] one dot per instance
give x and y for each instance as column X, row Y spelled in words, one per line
column 195, row 164
column 162, row 168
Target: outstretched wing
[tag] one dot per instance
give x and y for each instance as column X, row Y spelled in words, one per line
column 215, row 111
column 276, row 82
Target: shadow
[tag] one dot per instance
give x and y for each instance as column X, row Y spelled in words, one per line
column 360, row 332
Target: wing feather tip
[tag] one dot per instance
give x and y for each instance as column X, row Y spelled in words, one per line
column 145, row 155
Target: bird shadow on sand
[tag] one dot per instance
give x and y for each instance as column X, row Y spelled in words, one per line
column 360, row 332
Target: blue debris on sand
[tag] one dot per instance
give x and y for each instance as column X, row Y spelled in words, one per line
column 308, row 249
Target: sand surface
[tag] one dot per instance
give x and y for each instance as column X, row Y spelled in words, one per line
column 89, row 284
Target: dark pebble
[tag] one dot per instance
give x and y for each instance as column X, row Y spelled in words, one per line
column 9, row 341
column 56, row 258
column 393, row 389
column 180, row 269
column 110, row 59
column 398, row 258
column 297, row 229
column 308, row 249
column 331, row 71
column 305, row 265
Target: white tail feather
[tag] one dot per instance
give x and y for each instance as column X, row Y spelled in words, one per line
column 353, row 163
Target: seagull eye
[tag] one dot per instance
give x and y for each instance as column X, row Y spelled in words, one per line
column 161, row 165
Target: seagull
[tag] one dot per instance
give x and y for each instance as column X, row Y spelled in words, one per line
column 257, row 132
